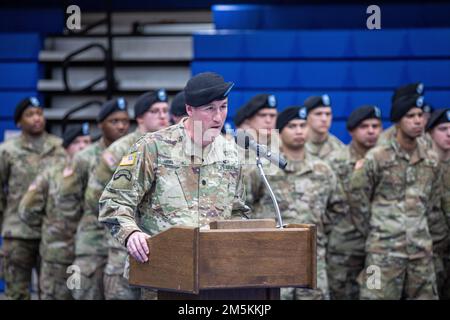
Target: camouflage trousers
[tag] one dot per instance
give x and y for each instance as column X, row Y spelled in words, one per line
column 399, row 278
column 343, row 271
column 116, row 285
column 322, row 290
column 445, row 292
column 91, row 277
column 20, row 257
column 53, row 281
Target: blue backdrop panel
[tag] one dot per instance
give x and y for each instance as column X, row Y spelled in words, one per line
column 44, row 20
column 23, row 76
column 19, row 46
column 9, row 100
column 329, row 16
column 6, row 125
column 328, row 74
column 321, row 44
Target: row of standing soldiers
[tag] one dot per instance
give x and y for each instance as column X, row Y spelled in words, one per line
column 382, row 200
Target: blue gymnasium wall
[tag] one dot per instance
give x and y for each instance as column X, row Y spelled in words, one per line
column 354, row 66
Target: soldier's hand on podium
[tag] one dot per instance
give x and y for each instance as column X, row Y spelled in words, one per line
column 137, row 246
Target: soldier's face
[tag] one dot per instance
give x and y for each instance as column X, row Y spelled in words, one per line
column 116, row 125
column 319, row 119
column 208, row 120
column 294, row 134
column 441, row 136
column 156, row 118
column 78, row 144
column 263, row 119
column 412, row 123
column 32, row 121
column 367, row 133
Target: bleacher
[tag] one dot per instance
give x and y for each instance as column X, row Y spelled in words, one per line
column 354, row 66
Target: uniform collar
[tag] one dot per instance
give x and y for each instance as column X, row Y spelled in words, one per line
column 418, row 154
column 47, row 146
column 299, row 166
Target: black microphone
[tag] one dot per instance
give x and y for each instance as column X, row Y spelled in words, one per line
column 246, row 141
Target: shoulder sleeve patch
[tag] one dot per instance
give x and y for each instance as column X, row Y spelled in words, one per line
column 128, row 160
column 109, row 159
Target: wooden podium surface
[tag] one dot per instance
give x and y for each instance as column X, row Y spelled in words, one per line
column 234, row 259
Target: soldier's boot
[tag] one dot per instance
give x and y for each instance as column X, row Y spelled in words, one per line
column 91, row 277
column 20, row 257
column 116, row 285
column 53, row 281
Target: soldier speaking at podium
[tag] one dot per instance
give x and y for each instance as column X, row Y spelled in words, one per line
column 187, row 174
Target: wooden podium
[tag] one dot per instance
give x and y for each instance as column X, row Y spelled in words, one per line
column 234, row 259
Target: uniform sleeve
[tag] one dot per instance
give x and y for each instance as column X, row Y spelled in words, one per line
column 337, row 206
column 240, row 209
column 253, row 185
column 132, row 179
column 362, row 184
column 436, row 214
column 33, row 204
column 4, row 176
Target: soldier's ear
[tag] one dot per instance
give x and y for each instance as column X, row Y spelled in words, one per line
column 189, row 110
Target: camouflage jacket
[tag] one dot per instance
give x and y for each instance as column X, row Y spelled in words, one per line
column 393, row 196
column 90, row 236
column 306, row 191
column 20, row 162
column 168, row 180
column 103, row 173
column 322, row 150
column 344, row 237
column 440, row 224
column 387, row 135
column 43, row 208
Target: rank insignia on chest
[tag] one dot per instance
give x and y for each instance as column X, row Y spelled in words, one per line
column 128, row 160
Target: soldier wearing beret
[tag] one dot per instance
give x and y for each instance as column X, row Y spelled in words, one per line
column 42, row 209
column 345, row 254
column 394, row 192
column 320, row 141
column 21, row 159
column 186, row 174
column 178, row 108
column 306, row 191
column 258, row 117
column 403, row 95
column 90, row 248
column 438, row 127
column 152, row 114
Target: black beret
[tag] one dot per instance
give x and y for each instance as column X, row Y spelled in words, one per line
column 119, row 104
column 23, row 105
column 289, row 114
column 362, row 113
column 178, row 106
column 206, row 87
column 258, row 102
column 408, row 89
column 437, row 117
column 145, row 101
column 428, row 108
column 76, row 131
column 240, row 116
column 402, row 105
column 317, row 101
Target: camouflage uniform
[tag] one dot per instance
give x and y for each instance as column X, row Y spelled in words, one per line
column 20, row 162
column 345, row 252
column 393, row 195
column 115, row 285
column 307, row 192
column 170, row 181
column 43, row 207
column 90, row 241
column 390, row 133
column 323, row 149
column 441, row 238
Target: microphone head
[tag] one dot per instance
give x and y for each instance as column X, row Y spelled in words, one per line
column 243, row 138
